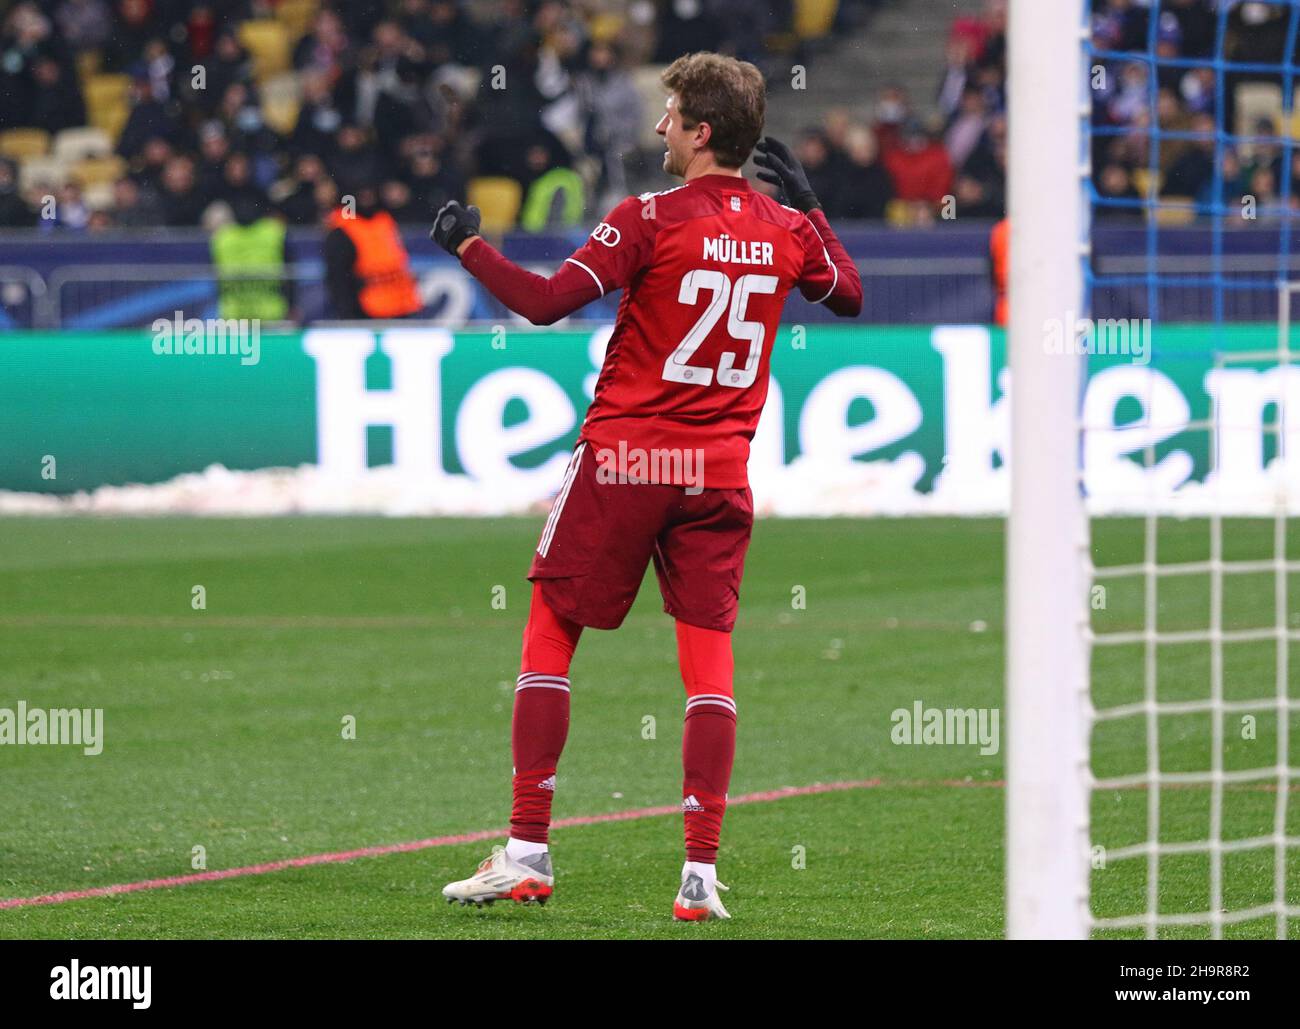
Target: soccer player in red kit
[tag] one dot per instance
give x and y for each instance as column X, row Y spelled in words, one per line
column 659, row 473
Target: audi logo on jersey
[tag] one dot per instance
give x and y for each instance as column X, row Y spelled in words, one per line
column 607, row 234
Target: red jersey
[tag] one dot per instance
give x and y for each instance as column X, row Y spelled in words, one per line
column 705, row 269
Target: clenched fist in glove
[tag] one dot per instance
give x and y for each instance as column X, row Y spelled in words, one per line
column 453, row 225
column 782, row 168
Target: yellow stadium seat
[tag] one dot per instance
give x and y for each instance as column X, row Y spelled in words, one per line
column 73, row 145
column 106, row 90
column 498, row 199
column 20, row 143
column 107, row 106
column 899, row 213
column 296, row 15
column 605, row 26
column 1142, row 181
column 280, row 102
column 111, row 119
column 814, row 18
column 1184, row 214
column 780, row 42
column 95, row 170
column 98, row 196
column 268, row 41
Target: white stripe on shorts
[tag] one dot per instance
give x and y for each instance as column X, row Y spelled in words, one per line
column 548, row 533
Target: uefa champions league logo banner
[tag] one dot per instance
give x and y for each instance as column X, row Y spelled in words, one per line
column 416, row 420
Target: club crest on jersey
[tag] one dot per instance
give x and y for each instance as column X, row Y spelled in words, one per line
column 607, row 234
column 735, row 203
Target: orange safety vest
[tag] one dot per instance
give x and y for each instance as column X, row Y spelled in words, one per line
column 387, row 287
column 999, row 245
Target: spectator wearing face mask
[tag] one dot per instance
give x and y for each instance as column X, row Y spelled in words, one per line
column 214, row 148
column 319, row 119
column 892, row 112
column 919, row 167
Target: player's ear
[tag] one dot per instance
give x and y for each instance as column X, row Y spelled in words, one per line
column 703, row 133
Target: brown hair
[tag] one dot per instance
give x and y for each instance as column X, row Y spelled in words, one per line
column 728, row 94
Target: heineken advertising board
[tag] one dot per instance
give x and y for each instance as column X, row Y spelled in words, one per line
column 859, row 419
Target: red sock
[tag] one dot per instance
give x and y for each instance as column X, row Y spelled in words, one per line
column 541, row 719
column 709, row 737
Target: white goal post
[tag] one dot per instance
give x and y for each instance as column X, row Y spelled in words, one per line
column 1047, row 532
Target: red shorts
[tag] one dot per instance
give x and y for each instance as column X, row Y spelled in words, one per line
column 600, row 537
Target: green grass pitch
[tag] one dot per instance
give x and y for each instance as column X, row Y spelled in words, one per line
column 223, row 730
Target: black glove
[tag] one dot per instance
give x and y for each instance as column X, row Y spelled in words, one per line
column 784, row 170
column 454, row 224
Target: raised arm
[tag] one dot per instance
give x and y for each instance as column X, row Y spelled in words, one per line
column 542, row 300
column 608, row 260
column 829, row 276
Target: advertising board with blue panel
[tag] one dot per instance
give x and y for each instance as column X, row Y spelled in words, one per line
column 911, row 276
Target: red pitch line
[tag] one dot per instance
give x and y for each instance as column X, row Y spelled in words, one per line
column 405, row 848
column 309, row 860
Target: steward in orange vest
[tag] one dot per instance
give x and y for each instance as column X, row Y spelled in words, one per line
column 999, row 258
column 367, row 270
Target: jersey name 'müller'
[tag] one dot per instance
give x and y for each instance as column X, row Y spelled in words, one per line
column 737, row 251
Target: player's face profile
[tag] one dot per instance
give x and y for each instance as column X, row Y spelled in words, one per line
column 670, row 128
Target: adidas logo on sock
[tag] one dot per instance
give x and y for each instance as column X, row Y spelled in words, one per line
column 547, row 784
column 689, row 803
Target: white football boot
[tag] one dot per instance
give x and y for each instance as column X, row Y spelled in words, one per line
column 697, row 903
column 500, row 877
